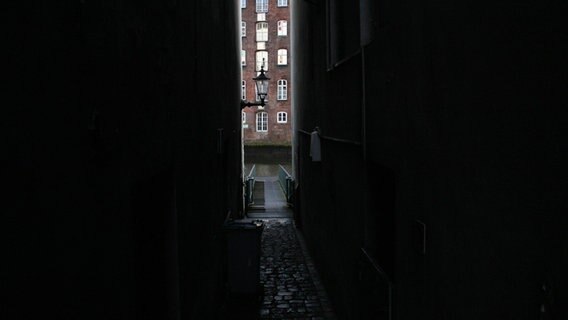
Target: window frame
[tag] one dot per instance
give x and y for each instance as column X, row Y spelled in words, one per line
column 282, row 90
column 243, row 58
column 282, row 58
column 284, row 116
column 282, row 28
column 261, row 6
column 263, row 117
column 282, row 3
column 261, row 31
column 243, row 4
column 258, row 61
column 243, row 89
column 243, row 29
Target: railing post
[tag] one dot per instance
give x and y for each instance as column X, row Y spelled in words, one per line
column 249, row 186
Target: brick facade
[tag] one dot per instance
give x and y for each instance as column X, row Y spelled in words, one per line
column 277, row 133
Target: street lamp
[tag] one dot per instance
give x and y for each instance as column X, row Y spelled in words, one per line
column 261, row 82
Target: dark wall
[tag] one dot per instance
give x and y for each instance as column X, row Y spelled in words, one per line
column 443, row 156
column 118, row 179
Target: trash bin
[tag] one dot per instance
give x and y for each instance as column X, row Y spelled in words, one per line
column 243, row 255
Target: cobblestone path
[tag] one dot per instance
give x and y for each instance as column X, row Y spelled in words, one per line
column 290, row 285
column 292, row 289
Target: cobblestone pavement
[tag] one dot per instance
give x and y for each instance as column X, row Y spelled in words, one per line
column 292, row 289
column 290, row 285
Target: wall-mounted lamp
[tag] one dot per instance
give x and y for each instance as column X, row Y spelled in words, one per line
column 261, row 82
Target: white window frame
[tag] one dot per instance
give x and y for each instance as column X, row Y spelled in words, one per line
column 244, row 117
column 243, row 58
column 244, row 89
column 282, row 57
column 282, row 117
column 282, row 91
column 261, row 31
column 243, row 4
column 262, row 121
column 260, row 55
column 261, row 6
column 282, row 28
column 282, row 3
column 243, row 29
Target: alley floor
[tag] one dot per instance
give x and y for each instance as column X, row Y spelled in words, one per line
column 290, row 284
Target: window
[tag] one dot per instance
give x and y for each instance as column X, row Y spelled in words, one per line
column 282, row 3
column 262, row 31
column 243, row 89
column 282, row 57
column 282, row 117
column 243, row 29
column 261, row 58
column 261, row 5
column 244, row 116
column 261, row 17
column 243, row 3
column 243, row 58
column 262, row 122
column 282, row 27
column 282, row 93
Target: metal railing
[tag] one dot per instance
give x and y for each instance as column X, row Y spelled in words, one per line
column 286, row 183
column 249, row 186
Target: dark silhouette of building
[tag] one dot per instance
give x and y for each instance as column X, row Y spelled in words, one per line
column 120, row 172
column 265, row 38
column 443, row 175
column 440, row 194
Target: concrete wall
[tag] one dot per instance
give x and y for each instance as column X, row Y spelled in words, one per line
column 119, row 179
column 442, row 156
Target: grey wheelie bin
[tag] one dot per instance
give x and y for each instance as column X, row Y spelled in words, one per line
column 243, row 256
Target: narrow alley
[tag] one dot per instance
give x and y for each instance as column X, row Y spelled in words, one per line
column 425, row 139
column 290, row 284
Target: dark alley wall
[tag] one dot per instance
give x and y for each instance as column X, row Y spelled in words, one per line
column 443, row 129
column 120, row 174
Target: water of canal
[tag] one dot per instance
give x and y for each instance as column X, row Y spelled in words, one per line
column 267, row 163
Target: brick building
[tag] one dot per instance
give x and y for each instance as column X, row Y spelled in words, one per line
column 264, row 33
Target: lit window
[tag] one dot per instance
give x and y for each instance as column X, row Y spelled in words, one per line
column 282, row 56
column 261, row 5
column 282, row 117
column 282, row 93
column 262, row 31
column 243, row 89
column 282, row 3
column 282, row 27
column 244, row 116
column 243, row 58
column 262, row 122
column 243, row 29
column 261, row 58
column 243, row 3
